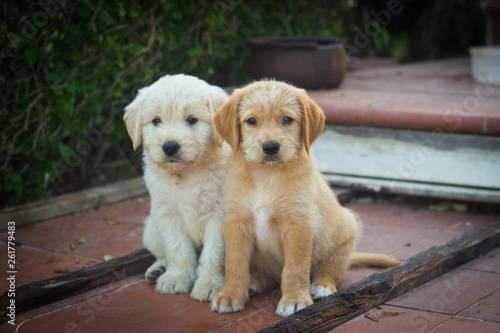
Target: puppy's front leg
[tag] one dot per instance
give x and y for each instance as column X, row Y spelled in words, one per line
column 239, row 244
column 211, row 263
column 295, row 283
column 181, row 260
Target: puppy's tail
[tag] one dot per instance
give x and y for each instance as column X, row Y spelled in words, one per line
column 360, row 259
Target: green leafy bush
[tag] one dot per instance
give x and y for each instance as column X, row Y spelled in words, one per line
column 68, row 68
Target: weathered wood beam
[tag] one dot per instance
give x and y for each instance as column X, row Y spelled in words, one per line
column 72, row 203
column 344, row 194
column 381, row 287
column 37, row 294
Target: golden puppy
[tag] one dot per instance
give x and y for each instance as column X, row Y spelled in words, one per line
column 184, row 161
column 283, row 222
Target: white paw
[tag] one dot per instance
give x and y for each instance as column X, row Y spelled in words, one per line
column 291, row 303
column 227, row 309
column 254, row 289
column 223, row 303
column 318, row 292
column 170, row 283
column 286, row 310
column 204, row 287
column 154, row 271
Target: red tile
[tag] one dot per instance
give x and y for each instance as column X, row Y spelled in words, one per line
column 489, row 262
column 422, row 96
column 402, row 231
column 422, row 119
column 388, row 239
column 417, row 246
column 450, row 293
column 22, row 253
column 392, row 320
column 117, row 230
column 46, row 266
column 404, row 215
column 73, row 301
column 404, row 109
column 467, row 325
column 114, row 245
column 62, row 232
column 488, row 308
column 347, row 116
column 338, row 111
column 23, row 261
column 493, row 125
column 138, row 308
column 356, row 275
column 257, row 320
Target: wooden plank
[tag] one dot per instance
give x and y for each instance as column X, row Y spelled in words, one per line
column 437, row 158
column 432, row 164
column 381, row 287
column 44, row 292
column 344, row 194
column 415, row 189
column 72, row 203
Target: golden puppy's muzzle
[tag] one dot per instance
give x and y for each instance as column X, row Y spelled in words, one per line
column 271, row 151
column 270, row 148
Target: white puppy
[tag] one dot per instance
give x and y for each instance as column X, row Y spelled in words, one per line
column 184, row 159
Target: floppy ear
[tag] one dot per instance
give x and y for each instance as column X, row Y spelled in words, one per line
column 216, row 98
column 226, row 120
column 313, row 119
column 133, row 119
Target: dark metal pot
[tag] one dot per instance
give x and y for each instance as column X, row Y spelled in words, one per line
column 306, row 62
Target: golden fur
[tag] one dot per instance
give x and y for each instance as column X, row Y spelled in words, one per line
column 282, row 222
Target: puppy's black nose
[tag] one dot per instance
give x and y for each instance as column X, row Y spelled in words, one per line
column 271, row 147
column 170, row 148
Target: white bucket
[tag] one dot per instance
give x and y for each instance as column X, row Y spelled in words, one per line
column 486, row 64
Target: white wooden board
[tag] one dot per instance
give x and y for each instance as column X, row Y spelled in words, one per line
column 389, row 157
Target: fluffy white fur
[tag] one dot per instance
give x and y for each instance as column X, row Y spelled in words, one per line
column 186, row 187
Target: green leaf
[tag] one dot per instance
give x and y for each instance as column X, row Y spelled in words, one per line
column 31, row 55
column 177, row 15
column 63, row 150
column 122, row 11
column 440, row 207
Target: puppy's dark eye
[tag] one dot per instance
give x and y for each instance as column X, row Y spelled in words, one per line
column 251, row 121
column 287, row 120
column 156, row 121
column 192, row 120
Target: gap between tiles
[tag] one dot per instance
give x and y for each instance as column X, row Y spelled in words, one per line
column 452, row 316
column 476, row 303
column 416, row 309
column 76, row 303
column 57, row 252
column 451, row 319
column 34, row 248
column 436, row 235
column 240, row 319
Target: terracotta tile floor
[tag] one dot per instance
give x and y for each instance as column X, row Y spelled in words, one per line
column 465, row 299
column 422, row 96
